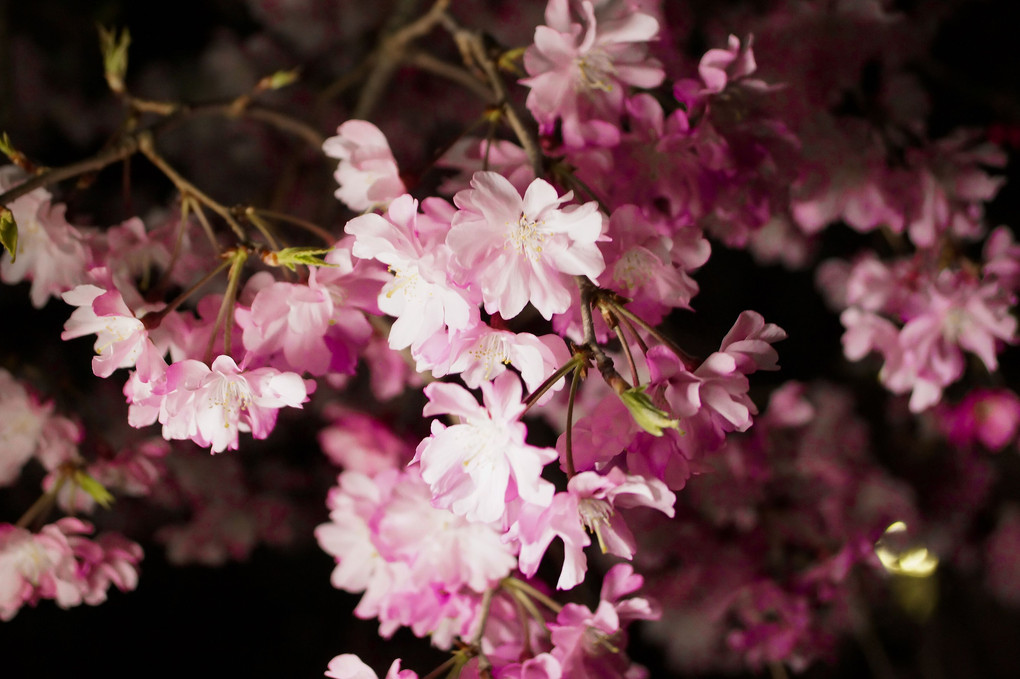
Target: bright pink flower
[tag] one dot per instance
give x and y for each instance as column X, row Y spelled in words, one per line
column 718, row 67
column 471, row 155
column 988, row 416
column 131, row 254
column 476, row 468
column 580, row 72
column 524, row 249
column 51, row 252
column 541, row 666
column 60, row 563
column 211, row 405
column 536, row 526
column 287, row 325
column 420, row 294
column 480, row 354
column 649, row 266
column 599, row 497
column 121, row 338
column 359, row 442
column 367, row 174
column 417, row 565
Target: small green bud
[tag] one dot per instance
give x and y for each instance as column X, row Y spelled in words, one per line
column 95, row 489
column 15, row 156
column 9, row 232
column 651, row 419
column 114, row 48
column 279, row 79
column 291, row 257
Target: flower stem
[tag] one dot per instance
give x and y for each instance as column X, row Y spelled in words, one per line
column 532, row 398
column 569, row 449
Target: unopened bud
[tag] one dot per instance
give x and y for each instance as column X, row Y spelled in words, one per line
column 650, row 418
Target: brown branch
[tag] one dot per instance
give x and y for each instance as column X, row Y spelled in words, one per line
column 390, row 54
column 127, row 146
column 444, row 69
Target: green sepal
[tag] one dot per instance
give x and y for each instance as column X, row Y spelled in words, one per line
column 95, row 489
column 291, row 257
column 645, row 413
column 9, row 232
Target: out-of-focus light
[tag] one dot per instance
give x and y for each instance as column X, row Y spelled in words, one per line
column 901, row 555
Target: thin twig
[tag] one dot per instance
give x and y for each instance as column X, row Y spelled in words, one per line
column 626, row 352
column 569, row 450
column 390, row 55
column 551, row 381
column 444, row 69
column 544, row 599
column 484, row 666
column 147, row 146
column 326, row 236
column 126, row 147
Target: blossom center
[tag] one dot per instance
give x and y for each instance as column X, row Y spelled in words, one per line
column 594, row 72
column 490, row 351
column 594, row 514
column 527, row 237
column 233, row 395
column 634, row 268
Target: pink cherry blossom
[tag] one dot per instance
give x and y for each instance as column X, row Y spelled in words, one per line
column 420, row 295
column 988, row 416
column 51, row 252
column 121, row 338
column 21, row 427
column 211, row 405
column 477, row 467
column 579, row 72
column 600, row 497
column 480, row 354
column 524, row 249
column 367, row 173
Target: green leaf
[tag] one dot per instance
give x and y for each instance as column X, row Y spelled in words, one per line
column 95, row 489
column 650, row 418
column 291, row 257
column 9, row 232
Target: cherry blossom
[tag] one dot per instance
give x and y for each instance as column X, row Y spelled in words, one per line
column 477, row 467
column 521, row 250
column 579, row 72
column 212, row 404
column 367, row 172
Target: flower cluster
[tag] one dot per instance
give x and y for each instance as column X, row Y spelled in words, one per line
column 497, row 344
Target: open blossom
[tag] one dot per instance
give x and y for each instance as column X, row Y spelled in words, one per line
column 477, row 467
column 580, row 71
column 524, row 249
column 482, row 353
column 210, row 405
column 61, row 563
column 367, row 173
column 415, row 564
column 21, row 427
column 51, row 252
column 420, row 294
column 120, row 336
